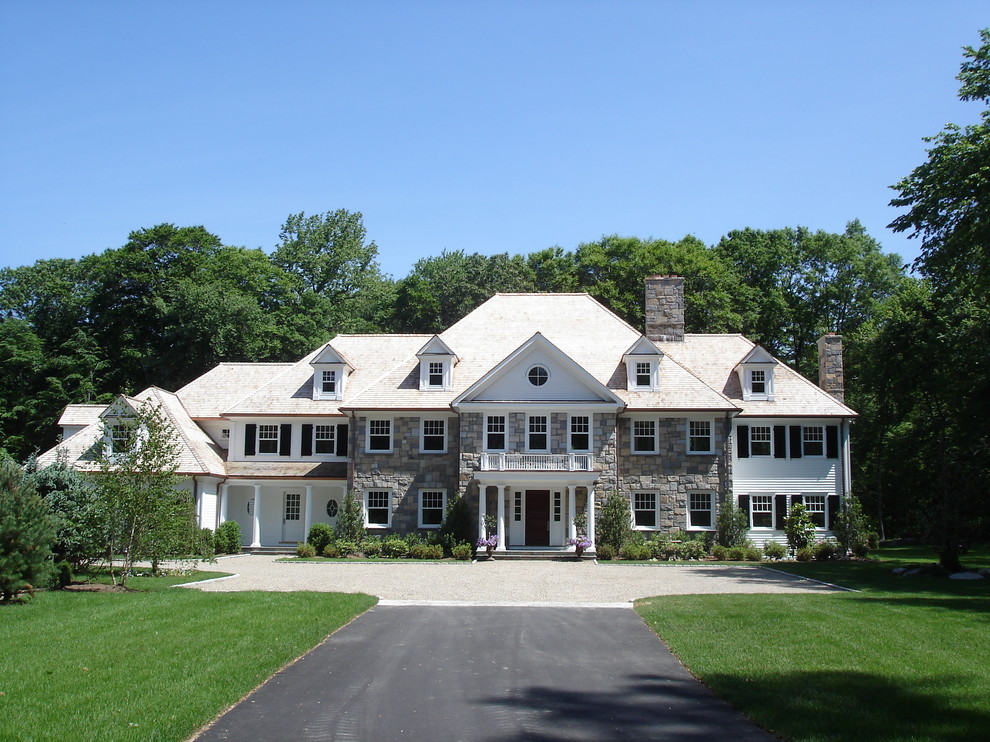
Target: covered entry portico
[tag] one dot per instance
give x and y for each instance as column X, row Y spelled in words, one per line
column 536, row 509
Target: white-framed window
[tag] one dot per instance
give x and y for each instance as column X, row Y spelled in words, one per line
column 225, row 434
column 644, row 436
column 434, row 436
column 644, row 374
column 538, row 375
column 813, row 441
column 758, row 384
column 435, row 374
column 517, row 507
column 701, row 511
column 644, row 506
column 761, row 511
column 700, row 436
column 814, row 505
column 325, row 438
column 268, row 439
column 495, row 433
column 558, row 507
column 579, row 438
column 377, row 509
column 432, row 505
column 121, row 437
column 760, row 440
column 328, row 383
column 379, row 436
column 537, row 433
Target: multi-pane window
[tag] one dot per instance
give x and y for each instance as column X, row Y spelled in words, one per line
column 329, row 385
column 324, row 438
column 434, row 436
column 813, row 439
column 700, row 510
column 435, row 373
column 293, row 505
column 431, row 508
column 699, row 436
column 517, row 507
column 760, row 441
column 538, row 375
column 558, row 507
column 268, row 439
column 379, row 435
column 121, row 437
column 645, row 509
column 495, row 433
column 758, row 381
column 225, row 434
column 761, row 507
column 644, row 437
column 580, row 433
column 644, row 374
column 378, row 508
column 538, row 438
column 814, row 505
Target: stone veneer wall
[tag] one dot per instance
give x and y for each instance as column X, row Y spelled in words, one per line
column 405, row 471
column 673, row 473
column 664, row 308
column 830, row 374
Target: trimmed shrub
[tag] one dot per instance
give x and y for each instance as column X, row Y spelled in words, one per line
column 752, row 554
column 320, row 536
column 347, row 548
column 371, row 547
column 636, row 552
column 306, row 551
column 735, row 553
column 693, row 550
column 207, row 544
column 719, row 552
column 394, row 547
column 462, row 552
column 426, row 551
column 804, row 554
column 773, row 550
column 227, row 539
column 605, row 552
column 331, row 551
column 825, row 550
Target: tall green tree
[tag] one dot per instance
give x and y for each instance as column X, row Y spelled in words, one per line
column 27, row 531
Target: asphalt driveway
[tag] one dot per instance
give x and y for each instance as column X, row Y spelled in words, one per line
column 486, row 673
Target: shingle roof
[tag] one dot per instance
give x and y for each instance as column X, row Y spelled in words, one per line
column 225, row 385
column 81, row 414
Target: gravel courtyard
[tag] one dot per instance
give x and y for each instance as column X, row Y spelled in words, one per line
column 502, row 582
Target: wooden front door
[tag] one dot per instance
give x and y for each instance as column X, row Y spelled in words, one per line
column 537, row 517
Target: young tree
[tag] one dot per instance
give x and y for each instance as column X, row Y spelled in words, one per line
column 731, row 524
column 614, row 525
column 142, row 513
column 350, row 520
column 27, row 531
column 799, row 528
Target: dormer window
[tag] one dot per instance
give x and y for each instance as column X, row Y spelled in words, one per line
column 329, row 383
column 644, row 374
column 642, row 366
column 121, row 437
column 436, row 363
column 758, row 381
column 330, row 371
column 756, row 375
column 435, row 374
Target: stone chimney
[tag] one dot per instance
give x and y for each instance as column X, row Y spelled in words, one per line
column 830, row 375
column 664, row 308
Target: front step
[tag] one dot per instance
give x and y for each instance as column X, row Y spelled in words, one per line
column 535, row 555
column 269, row 550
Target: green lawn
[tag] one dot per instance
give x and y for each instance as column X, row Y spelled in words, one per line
column 907, row 658
column 149, row 665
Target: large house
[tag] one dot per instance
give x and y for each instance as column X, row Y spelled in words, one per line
column 534, row 407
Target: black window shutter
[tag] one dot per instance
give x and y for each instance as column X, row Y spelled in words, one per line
column 832, row 510
column 742, row 443
column 307, row 440
column 832, row 441
column 285, row 440
column 250, row 439
column 796, row 441
column 797, row 499
column 341, row 440
column 779, row 442
column 744, row 506
column 780, row 504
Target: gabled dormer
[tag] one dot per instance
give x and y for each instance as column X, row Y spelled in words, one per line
column 643, row 365
column 436, row 365
column 330, row 370
column 756, row 375
column 120, row 425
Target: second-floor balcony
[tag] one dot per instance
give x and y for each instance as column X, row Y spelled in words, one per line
column 536, row 462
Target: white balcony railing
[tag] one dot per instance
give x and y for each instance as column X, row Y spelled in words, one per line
column 536, row 462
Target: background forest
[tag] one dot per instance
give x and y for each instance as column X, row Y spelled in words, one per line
column 174, row 301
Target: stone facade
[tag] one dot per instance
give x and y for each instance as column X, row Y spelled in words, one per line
column 664, row 308
column 830, row 375
column 405, row 471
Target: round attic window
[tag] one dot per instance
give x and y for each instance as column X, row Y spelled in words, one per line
column 538, row 375
column 331, row 508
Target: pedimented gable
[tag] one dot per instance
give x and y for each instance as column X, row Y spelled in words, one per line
column 538, row 371
column 122, row 407
column 758, row 355
column 436, row 347
column 328, row 355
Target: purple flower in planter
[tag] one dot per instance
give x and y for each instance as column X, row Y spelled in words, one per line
column 487, row 541
column 582, row 542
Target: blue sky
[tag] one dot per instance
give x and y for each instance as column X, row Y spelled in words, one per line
column 479, row 126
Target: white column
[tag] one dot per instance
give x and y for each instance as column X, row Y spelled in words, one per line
column 503, row 492
column 571, row 512
column 591, row 515
column 223, row 502
column 482, row 509
column 256, row 522
column 309, row 511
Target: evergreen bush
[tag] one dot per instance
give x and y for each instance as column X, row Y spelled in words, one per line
column 457, row 526
column 804, row 554
column 320, row 536
column 614, row 526
column 605, row 552
column 227, row 539
column 350, row 520
column 731, row 524
column 825, row 550
column 774, row 550
column 306, row 551
column 719, row 552
column 462, row 552
column 799, row 528
column 394, row 547
column 27, row 534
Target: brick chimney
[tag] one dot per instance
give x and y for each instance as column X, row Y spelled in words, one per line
column 830, row 375
column 664, row 308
